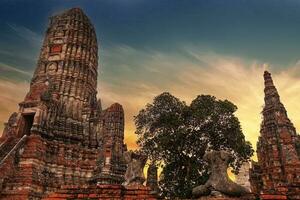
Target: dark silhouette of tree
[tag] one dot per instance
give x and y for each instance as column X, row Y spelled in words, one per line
column 176, row 136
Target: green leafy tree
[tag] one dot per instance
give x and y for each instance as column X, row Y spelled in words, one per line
column 176, row 136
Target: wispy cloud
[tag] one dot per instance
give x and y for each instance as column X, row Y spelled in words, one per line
column 5, row 67
column 11, row 94
column 7, row 53
column 26, row 34
column 151, row 73
column 133, row 78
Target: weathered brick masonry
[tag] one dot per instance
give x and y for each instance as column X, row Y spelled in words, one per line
column 61, row 139
column 276, row 175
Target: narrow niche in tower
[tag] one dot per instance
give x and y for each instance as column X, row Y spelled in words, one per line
column 56, row 48
column 28, row 122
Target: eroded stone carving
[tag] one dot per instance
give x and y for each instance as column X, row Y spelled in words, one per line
column 243, row 177
column 219, row 183
column 8, row 130
column 135, row 164
column 152, row 180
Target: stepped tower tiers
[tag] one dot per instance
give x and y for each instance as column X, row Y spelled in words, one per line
column 278, row 168
column 67, row 68
column 111, row 166
column 60, row 131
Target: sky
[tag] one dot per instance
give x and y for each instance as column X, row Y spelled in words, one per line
column 185, row 47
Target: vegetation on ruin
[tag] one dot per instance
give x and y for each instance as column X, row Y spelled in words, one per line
column 176, row 135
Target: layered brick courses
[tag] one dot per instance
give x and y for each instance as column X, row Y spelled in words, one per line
column 277, row 171
column 60, row 136
column 102, row 192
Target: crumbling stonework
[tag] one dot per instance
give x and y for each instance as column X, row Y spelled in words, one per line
column 111, row 167
column 278, row 167
column 255, row 178
column 134, row 175
column 246, row 197
column 219, row 184
column 61, row 138
column 102, row 192
column 243, row 177
column 152, row 178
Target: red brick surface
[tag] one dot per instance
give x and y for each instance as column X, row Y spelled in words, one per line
column 272, row 197
column 247, row 197
column 105, row 192
column 278, row 167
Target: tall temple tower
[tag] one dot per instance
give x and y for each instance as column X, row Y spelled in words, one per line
column 66, row 74
column 278, row 168
column 59, row 134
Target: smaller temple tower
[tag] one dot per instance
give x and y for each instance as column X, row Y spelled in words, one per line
column 111, row 166
column 278, row 165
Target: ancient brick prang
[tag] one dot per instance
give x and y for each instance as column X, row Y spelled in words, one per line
column 278, row 168
column 61, row 136
column 66, row 78
column 111, row 167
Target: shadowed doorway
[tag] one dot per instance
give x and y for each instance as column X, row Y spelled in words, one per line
column 28, row 122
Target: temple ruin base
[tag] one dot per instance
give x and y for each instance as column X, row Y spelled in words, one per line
column 103, row 192
column 272, row 197
column 246, row 197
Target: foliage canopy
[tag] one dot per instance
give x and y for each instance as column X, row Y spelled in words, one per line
column 177, row 135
